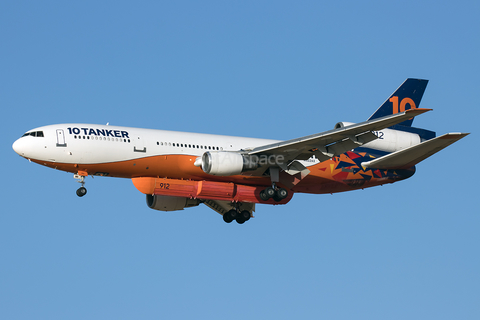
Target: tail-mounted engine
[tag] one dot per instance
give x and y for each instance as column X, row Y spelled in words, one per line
column 344, row 124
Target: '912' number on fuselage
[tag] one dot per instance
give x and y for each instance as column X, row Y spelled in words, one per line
column 164, row 185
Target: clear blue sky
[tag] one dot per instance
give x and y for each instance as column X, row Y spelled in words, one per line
column 280, row 70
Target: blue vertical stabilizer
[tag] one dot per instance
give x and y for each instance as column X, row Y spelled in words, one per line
column 407, row 96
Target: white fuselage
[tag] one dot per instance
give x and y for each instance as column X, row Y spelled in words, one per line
column 89, row 144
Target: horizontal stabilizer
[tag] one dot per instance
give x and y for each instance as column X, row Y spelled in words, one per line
column 409, row 157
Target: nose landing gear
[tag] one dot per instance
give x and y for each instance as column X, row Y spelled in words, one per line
column 81, row 179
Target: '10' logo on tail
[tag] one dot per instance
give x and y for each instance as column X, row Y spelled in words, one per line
column 403, row 103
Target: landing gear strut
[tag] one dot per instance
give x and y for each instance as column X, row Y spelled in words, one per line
column 82, row 190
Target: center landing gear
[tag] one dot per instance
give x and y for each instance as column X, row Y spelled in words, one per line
column 82, row 190
column 235, row 214
column 278, row 194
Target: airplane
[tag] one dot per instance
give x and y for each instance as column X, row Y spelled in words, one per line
column 178, row 170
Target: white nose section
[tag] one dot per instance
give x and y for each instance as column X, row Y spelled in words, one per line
column 19, row 147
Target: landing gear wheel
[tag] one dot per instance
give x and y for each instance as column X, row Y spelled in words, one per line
column 269, row 192
column 277, row 194
column 245, row 215
column 81, row 191
column 282, row 193
column 240, row 219
column 263, row 195
column 229, row 216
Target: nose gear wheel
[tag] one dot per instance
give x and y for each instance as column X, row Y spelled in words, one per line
column 82, row 190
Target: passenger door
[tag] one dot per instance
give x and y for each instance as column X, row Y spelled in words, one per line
column 61, row 138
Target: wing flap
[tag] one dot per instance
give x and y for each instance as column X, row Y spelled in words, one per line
column 409, row 157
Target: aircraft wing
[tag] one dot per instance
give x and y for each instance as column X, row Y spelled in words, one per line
column 410, row 156
column 331, row 143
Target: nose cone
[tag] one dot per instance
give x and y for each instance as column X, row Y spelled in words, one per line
column 19, row 147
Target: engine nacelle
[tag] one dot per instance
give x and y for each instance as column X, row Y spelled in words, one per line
column 169, row 203
column 343, row 124
column 222, row 163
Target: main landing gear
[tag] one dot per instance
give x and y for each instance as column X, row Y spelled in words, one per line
column 82, row 190
column 237, row 215
column 278, row 194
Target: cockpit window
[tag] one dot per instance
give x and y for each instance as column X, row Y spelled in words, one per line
column 34, row 134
